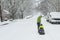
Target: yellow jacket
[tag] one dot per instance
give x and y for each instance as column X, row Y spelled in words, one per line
column 39, row 19
column 41, row 27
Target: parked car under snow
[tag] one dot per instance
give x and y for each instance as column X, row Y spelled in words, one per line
column 54, row 18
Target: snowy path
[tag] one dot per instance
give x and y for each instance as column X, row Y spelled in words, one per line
column 27, row 30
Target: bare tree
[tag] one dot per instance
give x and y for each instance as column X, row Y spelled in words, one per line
column 12, row 9
column 46, row 6
column 19, row 5
column 19, row 8
column 25, row 7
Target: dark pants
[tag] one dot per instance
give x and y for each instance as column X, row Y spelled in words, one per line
column 38, row 24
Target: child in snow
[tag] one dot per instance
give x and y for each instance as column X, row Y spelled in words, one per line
column 41, row 27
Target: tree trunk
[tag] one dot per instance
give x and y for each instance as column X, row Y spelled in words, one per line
column 1, row 14
column 22, row 15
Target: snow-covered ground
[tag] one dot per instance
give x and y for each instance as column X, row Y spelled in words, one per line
column 26, row 29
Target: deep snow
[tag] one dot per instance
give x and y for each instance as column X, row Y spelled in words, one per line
column 26, row 29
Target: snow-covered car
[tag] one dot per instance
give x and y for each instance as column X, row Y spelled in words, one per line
column 54, row 18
